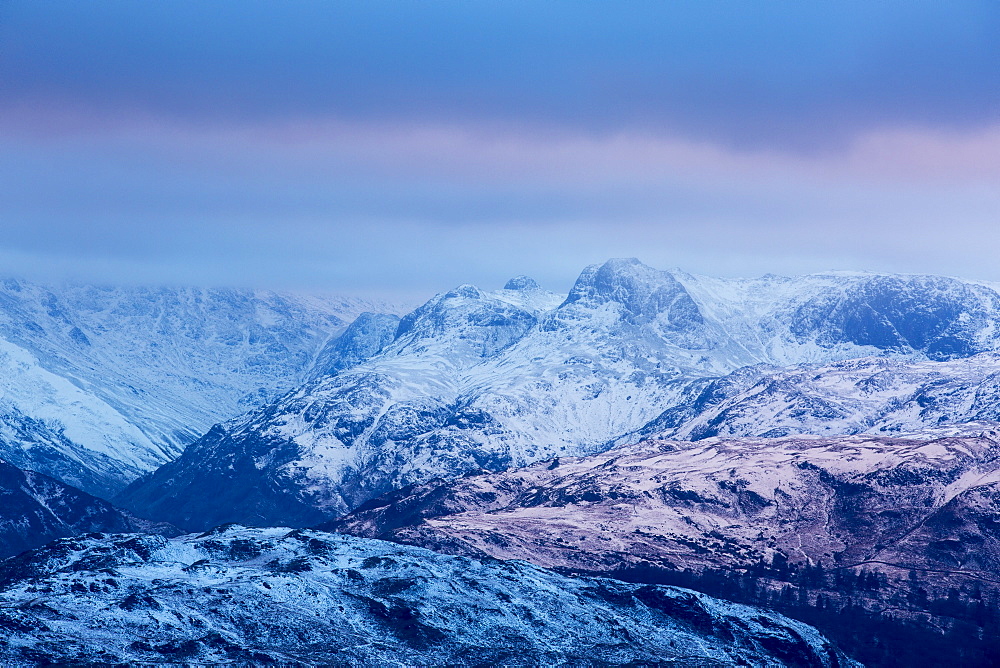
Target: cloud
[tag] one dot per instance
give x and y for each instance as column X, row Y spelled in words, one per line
column 375, row 204
column 413, row 146
column 801, row 76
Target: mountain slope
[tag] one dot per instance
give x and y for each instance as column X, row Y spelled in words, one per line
column 853, row 500
column 891, row 546
column 50, row 425
column 475, row 380
column 471, row 380
column 867, row 395
column 35, row 509
column 840, row 315
column 307, row 598
column 103, row 384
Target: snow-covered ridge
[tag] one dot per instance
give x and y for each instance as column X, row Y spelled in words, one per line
column 254, row 596
column 875, row 395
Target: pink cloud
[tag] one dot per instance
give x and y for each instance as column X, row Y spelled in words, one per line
column 469, row 154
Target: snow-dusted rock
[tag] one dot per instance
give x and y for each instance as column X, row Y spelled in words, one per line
column 875, row 395
column 367, row 336
column 308, row 597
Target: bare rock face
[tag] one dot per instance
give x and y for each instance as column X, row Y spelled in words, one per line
column 253, row 596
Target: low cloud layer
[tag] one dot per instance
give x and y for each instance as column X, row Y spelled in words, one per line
column 359, row 149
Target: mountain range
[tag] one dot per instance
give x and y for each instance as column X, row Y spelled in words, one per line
column 477, row 380
column 825, row 446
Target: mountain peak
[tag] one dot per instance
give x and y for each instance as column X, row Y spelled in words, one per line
column 363, row 338
column 641, row 290
column 626, row 264
column 468, row 318
column 465, row 290
column 521, row 283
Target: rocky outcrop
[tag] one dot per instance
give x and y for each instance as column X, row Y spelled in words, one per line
column 306, row 597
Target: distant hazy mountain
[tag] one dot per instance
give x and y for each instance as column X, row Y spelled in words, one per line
column 262, row 596
column 99, row 385
column 491, row 380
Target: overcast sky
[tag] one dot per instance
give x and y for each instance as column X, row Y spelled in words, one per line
column 401, row 148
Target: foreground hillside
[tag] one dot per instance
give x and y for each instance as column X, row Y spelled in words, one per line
column 252, row 596
column 883, row 502
column 901, row 530
column 494, row 380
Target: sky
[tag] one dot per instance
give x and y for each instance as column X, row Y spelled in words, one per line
column 402, row 148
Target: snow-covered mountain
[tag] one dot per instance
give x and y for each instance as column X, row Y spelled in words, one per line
column 99, row 385
column 253, row 596
column 492, row 380
column 840, row 315
column 35, row 509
